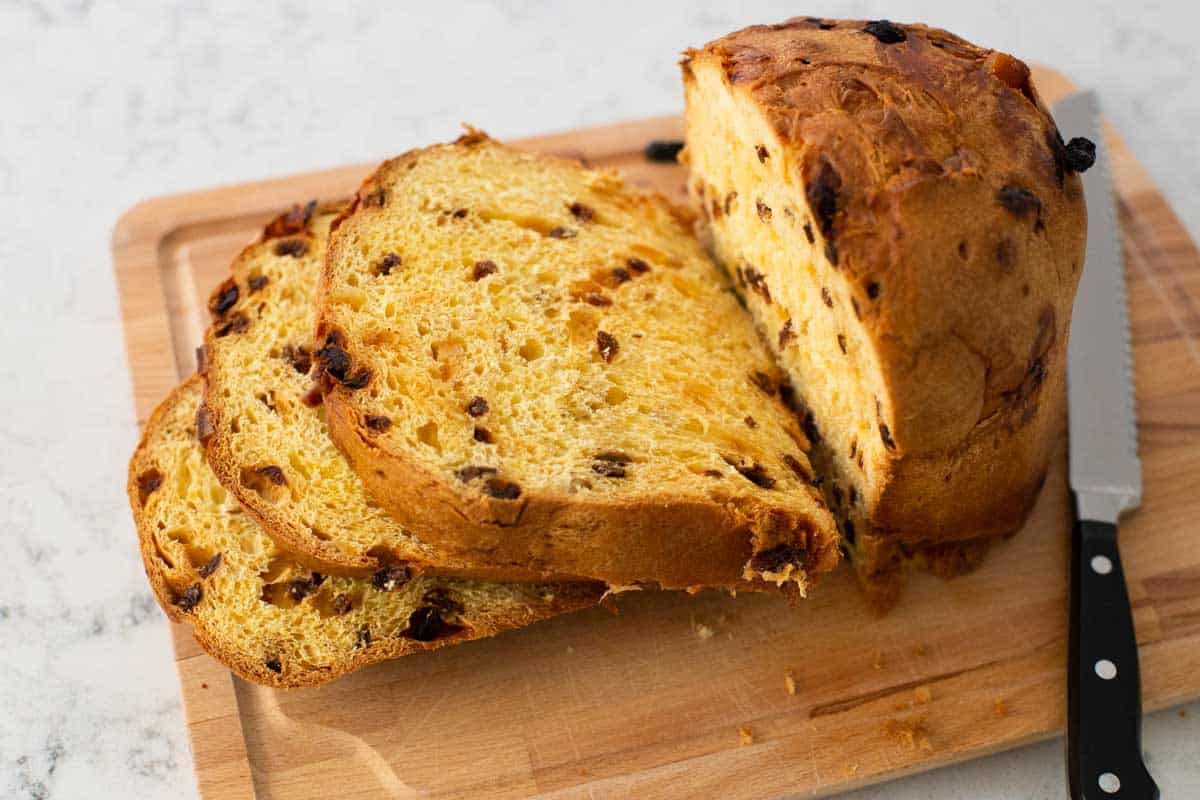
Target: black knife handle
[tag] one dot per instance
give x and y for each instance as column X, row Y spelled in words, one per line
column 1104, row 728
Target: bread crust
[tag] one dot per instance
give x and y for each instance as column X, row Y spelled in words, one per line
column 567, row 597
column 965, row 298
column 665, row 541
column 674, row 543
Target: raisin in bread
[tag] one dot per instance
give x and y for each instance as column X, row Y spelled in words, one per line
column 533, row 364
column 256, row 609
column 267, row 440
column 903, row 220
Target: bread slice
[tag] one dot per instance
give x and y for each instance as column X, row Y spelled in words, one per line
column 269, row 444
column 257, row 610
column 533, row 364
column 902, row 218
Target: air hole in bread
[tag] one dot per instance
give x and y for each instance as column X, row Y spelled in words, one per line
column 428, row 435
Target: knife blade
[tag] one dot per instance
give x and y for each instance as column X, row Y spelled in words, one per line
column 1104, row 747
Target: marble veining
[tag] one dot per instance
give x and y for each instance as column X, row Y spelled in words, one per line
column 107, row 103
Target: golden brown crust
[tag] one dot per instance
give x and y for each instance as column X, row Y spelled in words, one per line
column 676, row 543
column 484, row 622
column 668, row 541
column 960, row 237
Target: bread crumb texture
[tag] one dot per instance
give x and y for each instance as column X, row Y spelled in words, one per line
column 545, row 340
column 267, row 617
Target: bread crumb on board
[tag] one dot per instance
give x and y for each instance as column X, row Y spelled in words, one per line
column 849, row 770
column 1000, row 707
column 745, row 736
column 1183, row 713
column 878, row 664
column 789, row 682
column 910, row 733
column 922, row 695
column 921, row 649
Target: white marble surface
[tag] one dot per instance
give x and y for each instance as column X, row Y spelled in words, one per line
column 104, row 104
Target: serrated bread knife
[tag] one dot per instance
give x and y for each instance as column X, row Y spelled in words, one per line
column 1104, row 730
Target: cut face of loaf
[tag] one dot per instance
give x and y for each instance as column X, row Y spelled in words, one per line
column 897, row 209
column 267, row 440
column 257, row 610
column 534, row 364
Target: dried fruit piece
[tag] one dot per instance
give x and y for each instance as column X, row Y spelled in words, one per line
column 273, row 473
column 388, row 263
column 597, row 299
column 1079, row 154
column 786, row 334
column 274, row 665
column 440, row 597
column 364, row 637
column 1021, row 202
column 236, row 324
column 754, row 472
column 581, row 212
column 607, row 345
column 148, row 483
column 223, row 298
column 885, row 31
column 778, row 557
column 342, row 605
column 190, row 598
column 470, row 473
column 391, row 578
column 204, row 423
column 762, row 153
column 426, row 624
column 763, row 210
column 482, row 269
column 637, row 266
column 477, row 407
column 257, row 282
column 886, row 436
column 483, row 435
column 608, row 469
column 210, row 566
column 378, row 422
column 562, row 232
column 502, row 489
column 298, row 356
column 291, row 247
column 293, row 222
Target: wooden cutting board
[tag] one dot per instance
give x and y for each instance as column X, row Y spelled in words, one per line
column 676, row 696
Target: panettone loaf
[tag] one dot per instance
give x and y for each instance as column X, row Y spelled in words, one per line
column 903, row 221
column 534, row 365
column 267, row 617
column 266, row 437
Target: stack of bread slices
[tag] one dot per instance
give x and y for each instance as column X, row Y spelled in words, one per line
column 495, row 386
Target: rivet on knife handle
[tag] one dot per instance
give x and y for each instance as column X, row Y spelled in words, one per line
column 1104, row 736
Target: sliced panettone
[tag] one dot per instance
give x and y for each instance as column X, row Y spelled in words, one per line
column 903, row 221
column 258, row 610
column 532, row 364
column 267, row 439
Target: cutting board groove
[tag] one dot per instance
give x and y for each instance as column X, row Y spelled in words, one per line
column 649, row 702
